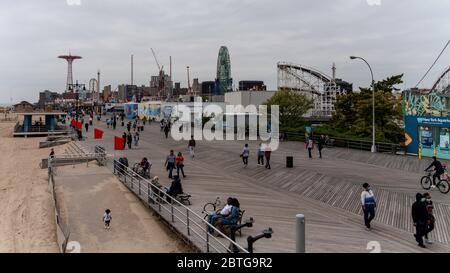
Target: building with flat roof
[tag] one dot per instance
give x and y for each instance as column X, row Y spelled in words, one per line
column 252, row 85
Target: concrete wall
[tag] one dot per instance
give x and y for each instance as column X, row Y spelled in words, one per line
column 246, row 98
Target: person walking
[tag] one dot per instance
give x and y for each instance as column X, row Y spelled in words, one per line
column 162, row 125
column 129, row 127
column 52, row 153
column 368, row 205
column 166, row 130
column 431, row 220
column 124, row 137
column 129, row 140
column 170, row 163
column 114, row 124
column 245, row 154
column 267, row 154
column 310, row 146
column 261, row 154
column 419, row 215
column 86, row 126
column 191, row 147
column 180, row 164
column 136, row 139
column 107, row 219
column 320, row 145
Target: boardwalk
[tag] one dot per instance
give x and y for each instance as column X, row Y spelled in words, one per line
column 327, row 191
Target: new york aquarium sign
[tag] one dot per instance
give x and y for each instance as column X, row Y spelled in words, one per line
column 437, row 121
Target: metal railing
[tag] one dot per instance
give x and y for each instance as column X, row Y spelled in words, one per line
column 74, row 159
column 99, row 150
column 182, row 218
column 362, row 145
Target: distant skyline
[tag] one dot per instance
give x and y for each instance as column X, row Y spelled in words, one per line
column 394, row 36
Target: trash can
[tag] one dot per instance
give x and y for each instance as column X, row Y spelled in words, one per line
column 289, row 162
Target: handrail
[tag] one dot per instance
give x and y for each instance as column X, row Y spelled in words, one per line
column 352, row 143
column 190, row 215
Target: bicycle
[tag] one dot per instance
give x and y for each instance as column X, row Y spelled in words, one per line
column 210, row 208
column 442, row 185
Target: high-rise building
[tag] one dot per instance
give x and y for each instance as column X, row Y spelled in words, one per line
column 224, row 81
column 47, row 97
column 252, row 85
column 196, row 87
column 107, row 93
column 162, row 84
column 208, row 88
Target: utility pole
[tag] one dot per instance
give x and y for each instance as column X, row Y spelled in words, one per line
column 131, row 69
column 171, row 81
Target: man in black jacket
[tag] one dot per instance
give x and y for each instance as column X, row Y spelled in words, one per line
column 175, row 188
column 129, row 140
column 420, row 217
column 438, row 170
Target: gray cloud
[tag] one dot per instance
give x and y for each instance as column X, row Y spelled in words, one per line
column 399, row 36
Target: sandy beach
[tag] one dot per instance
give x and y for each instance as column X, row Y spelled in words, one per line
column 26, row 215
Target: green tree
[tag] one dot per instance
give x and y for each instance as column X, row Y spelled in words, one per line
column 354, row 112
column 292, row 105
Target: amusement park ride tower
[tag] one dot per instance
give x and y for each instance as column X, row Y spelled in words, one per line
column 69, row 58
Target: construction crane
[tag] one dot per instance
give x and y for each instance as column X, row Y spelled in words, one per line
column 161, row 81
column 156, row 60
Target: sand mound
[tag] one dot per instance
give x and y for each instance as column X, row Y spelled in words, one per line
column 26, row 215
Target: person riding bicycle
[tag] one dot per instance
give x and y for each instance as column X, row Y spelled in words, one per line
column 438, row 170
column 212, row 218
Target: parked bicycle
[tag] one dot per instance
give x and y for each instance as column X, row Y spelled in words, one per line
column 442, row 185
column 211, row 207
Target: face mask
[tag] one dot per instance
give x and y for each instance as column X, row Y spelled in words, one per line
column 423, row 199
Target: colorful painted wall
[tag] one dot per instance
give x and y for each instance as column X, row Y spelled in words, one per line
column 427, row 124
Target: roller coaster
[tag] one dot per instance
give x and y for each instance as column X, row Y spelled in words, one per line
column 316, row 85
column 442, row 85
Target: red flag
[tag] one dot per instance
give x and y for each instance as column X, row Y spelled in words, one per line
column 79, row 125
column 98, row 134
column 119, row 144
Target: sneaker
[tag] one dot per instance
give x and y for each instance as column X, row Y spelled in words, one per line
column 422, row 246
column 433, row 186
column 428, row 241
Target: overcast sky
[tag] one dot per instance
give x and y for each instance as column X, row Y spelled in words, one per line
column 397, row 36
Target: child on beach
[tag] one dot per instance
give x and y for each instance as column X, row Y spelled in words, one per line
column 107, row 218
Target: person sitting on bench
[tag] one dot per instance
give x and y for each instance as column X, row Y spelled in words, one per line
column 212, row 218
column 145, row 165
column 175, row 188
column 233, row 217
column 123, row 165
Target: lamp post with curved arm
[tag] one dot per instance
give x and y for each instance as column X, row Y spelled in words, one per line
column 374, row 147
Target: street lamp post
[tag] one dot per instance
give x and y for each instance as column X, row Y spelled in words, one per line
column 374, row 147
column 76, row 88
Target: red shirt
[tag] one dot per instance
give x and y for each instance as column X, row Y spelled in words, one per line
column 180, row 160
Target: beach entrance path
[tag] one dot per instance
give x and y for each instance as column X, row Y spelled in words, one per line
column 84, row 193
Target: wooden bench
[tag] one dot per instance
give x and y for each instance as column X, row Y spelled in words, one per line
column 225, row 229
